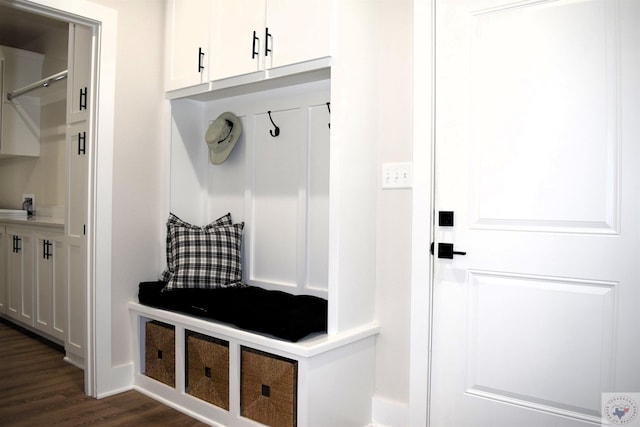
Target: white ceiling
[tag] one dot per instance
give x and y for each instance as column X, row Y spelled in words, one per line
column 19, row 29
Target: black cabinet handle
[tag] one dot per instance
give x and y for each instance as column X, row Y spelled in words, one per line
column 267, row 36
column 83, row 99
column 16, row 244
column 82, row 143
column 46, row 249
column 200, row 57
column 254, row 52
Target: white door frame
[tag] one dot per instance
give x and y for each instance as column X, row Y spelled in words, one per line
column 98, row 379
column 422, row 218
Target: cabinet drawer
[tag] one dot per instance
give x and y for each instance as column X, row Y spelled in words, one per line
column 207, row 370
column 268, row 388
column 160, row 352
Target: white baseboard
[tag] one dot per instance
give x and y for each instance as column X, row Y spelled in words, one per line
column 389, row 413
column 120, row 380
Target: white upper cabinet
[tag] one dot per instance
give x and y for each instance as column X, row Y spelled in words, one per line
column 299, row 30
column 187, row 43
column 237, row 37
column 210, row 40
column 79, row 62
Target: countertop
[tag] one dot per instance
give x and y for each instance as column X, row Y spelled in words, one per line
column 37, row 220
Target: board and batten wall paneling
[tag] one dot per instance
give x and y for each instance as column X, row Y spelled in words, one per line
column 277, row 185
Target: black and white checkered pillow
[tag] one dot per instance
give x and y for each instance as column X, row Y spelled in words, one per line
column 173, row 222
column 206, row 258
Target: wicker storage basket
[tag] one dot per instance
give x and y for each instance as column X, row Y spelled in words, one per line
column 268, row 388
column 208, row 369
column 160, row 352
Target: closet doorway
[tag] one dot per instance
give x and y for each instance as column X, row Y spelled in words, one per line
column 71, row 38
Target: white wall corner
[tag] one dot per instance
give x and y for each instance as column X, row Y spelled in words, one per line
column 389, row 413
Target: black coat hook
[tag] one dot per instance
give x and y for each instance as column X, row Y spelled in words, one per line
column 276, row 131
column 329, row 108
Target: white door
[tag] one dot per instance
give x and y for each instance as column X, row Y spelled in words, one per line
column 537, row 154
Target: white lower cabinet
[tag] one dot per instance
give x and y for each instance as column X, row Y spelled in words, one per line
column 20, row 295
column 34, row 290
column 50, row 308
column 76, row 288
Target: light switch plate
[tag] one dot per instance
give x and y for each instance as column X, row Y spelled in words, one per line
column 397, row 175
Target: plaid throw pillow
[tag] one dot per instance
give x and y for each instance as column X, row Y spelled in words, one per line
column 173, row 222
column 206, row 258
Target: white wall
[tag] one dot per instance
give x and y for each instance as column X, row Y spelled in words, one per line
column 393, row 273
column 139, row 157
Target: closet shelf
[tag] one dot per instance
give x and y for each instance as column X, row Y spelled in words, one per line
column 36, row 85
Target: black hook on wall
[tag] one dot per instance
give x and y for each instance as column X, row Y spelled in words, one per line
column 276, row 131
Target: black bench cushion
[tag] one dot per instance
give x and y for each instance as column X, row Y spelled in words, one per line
column 280, row 314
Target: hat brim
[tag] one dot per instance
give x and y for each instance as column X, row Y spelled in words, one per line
column 218, row 156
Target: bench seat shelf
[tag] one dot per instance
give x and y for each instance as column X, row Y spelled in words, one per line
column 318, row 381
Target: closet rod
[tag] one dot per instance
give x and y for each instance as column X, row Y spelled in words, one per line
column 40, row 83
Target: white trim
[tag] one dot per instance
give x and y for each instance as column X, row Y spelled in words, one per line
column 389, row 413
column 421, row 283
column 98, row 371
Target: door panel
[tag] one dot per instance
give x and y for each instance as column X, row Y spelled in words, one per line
column 537, row 161
column 543, row 122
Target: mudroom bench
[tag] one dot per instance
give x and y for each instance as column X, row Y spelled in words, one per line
column 224, row 375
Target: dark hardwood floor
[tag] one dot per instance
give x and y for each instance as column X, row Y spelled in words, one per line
column 37, row 388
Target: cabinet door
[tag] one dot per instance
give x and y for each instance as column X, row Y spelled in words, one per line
column 235, row 50
column 76, row 250
column 3, row 272
column 50, row 285
column 78, row 179
column 300, row 31
column 79, row 63
column 187, row 41
column 77, row 294
column 20, row 275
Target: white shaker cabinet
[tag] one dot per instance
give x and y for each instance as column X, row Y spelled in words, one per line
column 20, row 294
column 77, row 194
column 79, row 143
column 254, row 35
column 76, row 248
column 76, row 299
column 50, row 304
column 187, row 43
column 79, row 63
column 299, row 31
column 210, row 40
column 238, row 33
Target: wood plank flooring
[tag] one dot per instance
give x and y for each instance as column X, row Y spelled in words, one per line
column 37, row 388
